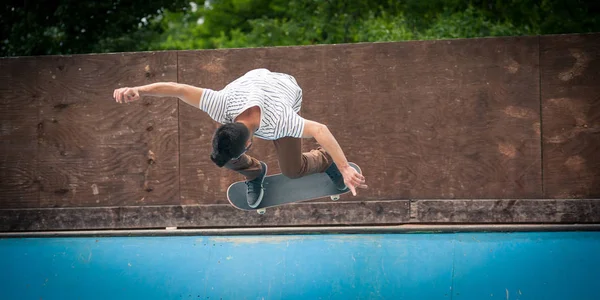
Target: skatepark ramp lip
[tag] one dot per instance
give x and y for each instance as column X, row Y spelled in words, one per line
column 314, row 230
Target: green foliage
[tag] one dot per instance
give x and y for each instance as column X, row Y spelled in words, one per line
column 106, row 26
column 304, row 22
column 70, row 26
column 471, row 23
column 384, row 28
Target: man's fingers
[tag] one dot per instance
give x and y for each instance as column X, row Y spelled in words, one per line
column 358, row 179
column 353, row 190
column 130, row 95
column 124, row 95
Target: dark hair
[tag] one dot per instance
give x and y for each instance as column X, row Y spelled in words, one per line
column 228, row 142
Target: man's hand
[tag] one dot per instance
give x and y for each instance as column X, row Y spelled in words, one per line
column 321, row 133
column 189, row 94
column 126, row 94
column 353, row 179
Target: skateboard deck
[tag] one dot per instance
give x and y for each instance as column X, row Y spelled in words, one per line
column 279, row 190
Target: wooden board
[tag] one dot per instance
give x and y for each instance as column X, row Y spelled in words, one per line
column 443, row 119
column 507, row 211
column 96, row 152
column 202, row 182
column 391, row 212
column 19, row 109
column 135, row 217
column 570, row 80
column 438, row 122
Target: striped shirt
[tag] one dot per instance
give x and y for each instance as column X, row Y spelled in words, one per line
column 276, row 94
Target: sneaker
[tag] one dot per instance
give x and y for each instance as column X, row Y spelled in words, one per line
column 255, row 188
column 336, row 176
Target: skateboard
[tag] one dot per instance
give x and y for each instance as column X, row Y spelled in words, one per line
column 279, row 190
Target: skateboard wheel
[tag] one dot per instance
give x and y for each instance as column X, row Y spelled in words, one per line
column 261, row 211
column 335, row 198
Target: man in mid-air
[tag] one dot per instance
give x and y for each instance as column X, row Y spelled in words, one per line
column 264, row 104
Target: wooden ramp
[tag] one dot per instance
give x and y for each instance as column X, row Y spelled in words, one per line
column 493, row 130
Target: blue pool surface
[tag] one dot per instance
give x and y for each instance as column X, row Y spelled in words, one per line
column 508, row 266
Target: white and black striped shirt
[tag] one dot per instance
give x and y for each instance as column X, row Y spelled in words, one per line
column 276, row 94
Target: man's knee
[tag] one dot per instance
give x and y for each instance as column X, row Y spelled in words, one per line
column 292, row 173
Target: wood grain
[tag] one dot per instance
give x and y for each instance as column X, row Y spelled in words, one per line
column 95, row 152
column 508, row 211
column 444, row 123
column 19, row 109
column 202, row 182
column 570, row 78
column 428, row 118
column 203, row 216
column 436, row 119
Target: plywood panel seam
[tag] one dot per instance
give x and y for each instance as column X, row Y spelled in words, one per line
column 178, row 131
column 540, row 72
column 39, row 131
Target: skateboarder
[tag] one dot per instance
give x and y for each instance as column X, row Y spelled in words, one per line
column 264, row 104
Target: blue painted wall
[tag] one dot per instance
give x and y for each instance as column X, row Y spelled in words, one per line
column 389, row 266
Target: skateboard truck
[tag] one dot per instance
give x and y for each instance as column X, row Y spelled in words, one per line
column 262, row 211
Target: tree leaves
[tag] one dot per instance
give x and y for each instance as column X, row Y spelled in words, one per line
column 69, row 26
column 248, row 23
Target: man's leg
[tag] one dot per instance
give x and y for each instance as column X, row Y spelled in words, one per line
column 294, row 164
column 255, row 173
column 246, row 165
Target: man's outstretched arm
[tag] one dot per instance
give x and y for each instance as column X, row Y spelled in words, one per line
column 187, row 93
column 325, row 138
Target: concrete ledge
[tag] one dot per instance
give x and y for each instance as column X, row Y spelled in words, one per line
column 307, row 215
column 400, row 229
